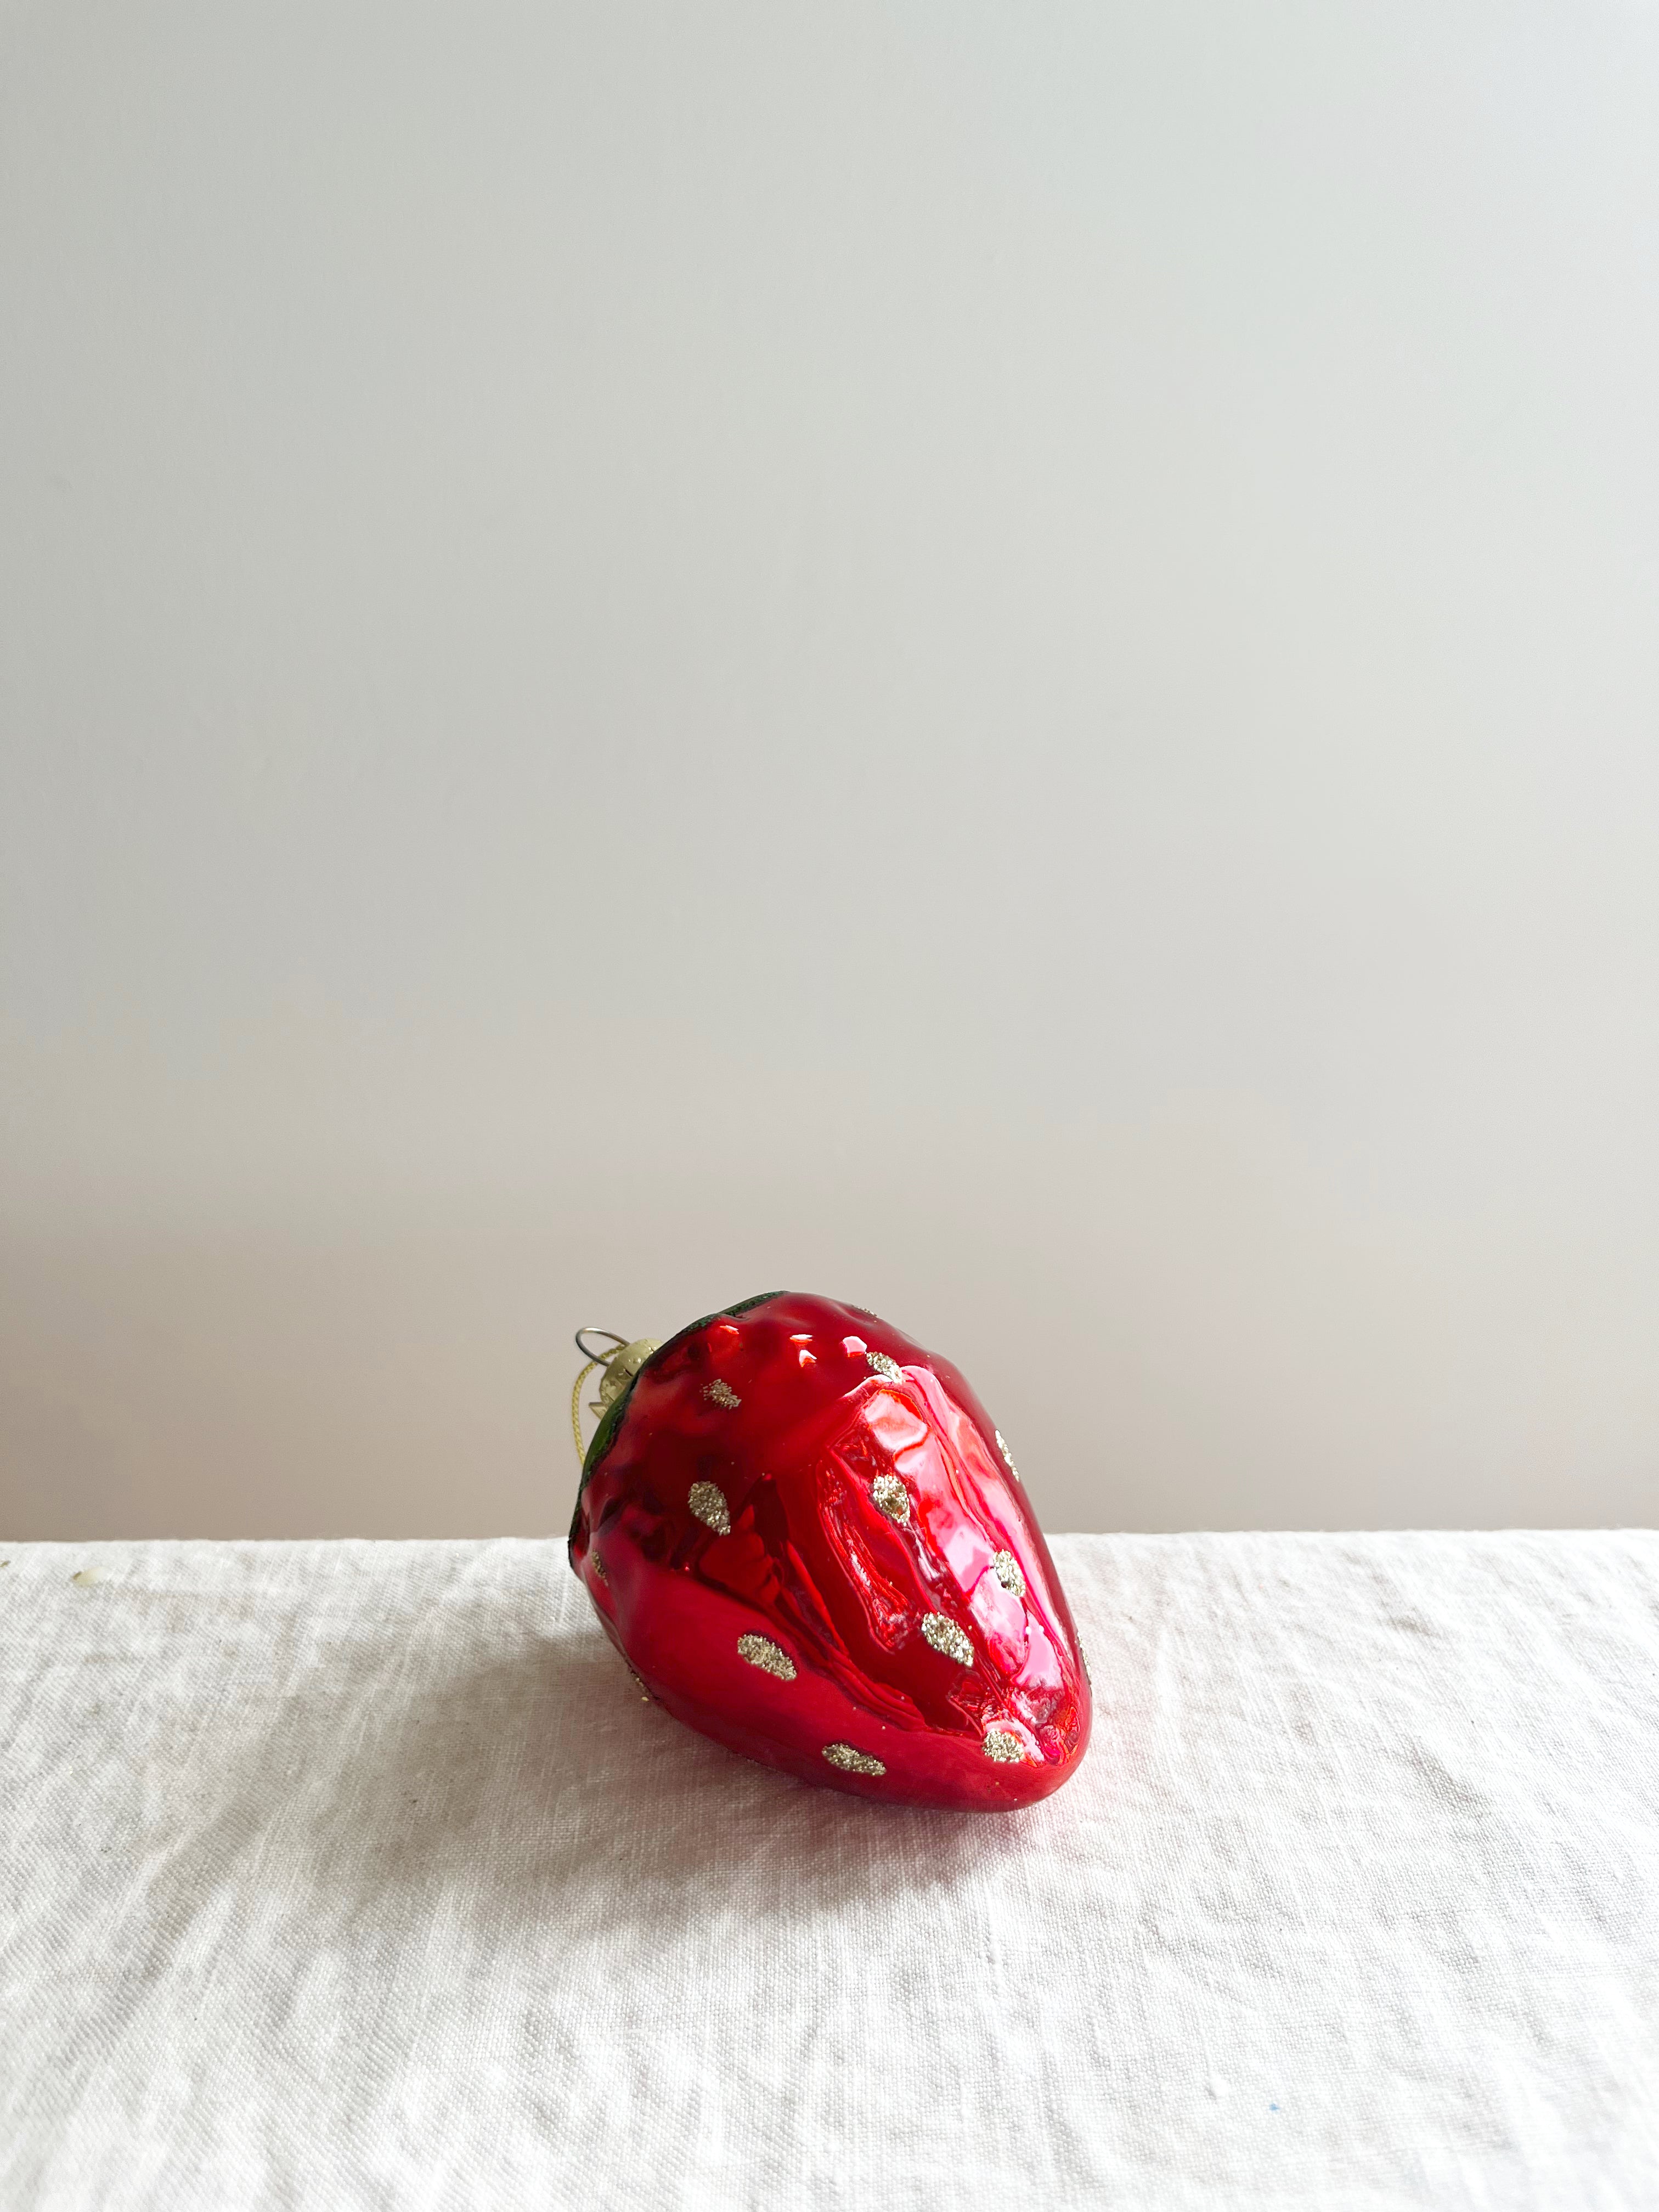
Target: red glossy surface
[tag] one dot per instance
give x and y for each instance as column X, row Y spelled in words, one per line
column 812, row 1562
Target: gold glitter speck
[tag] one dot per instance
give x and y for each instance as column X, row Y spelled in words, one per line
column 1008, row 1573
column 850, row 1761
column 771, row 1658
column 889, row 1370
column 945, row 1636
column 720, row 1393
column 708, row 1501
column 1006, row 1454
column 891, row 1496
column 598, row 1565
column 1002, row 1748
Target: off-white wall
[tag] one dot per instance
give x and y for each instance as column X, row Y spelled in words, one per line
column 1000, row 659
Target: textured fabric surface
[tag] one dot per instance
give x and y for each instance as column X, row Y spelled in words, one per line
column 355, row 1874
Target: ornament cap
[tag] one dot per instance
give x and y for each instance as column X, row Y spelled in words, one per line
column 623, row 1365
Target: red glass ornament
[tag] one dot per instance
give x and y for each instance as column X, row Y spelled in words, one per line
column 808, row 1542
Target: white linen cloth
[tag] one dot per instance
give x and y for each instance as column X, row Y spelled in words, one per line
column 354, row 1874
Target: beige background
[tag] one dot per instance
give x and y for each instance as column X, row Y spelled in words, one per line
column 1001, row 660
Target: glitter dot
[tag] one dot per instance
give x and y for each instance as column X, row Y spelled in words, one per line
column 598, row 1566
column 891, row 1496
column 850, row 1761
column 645, row 1695
column 1008, row 1573
column 708, row 1501
column 1006, row 1454
column 720, row 1393
column 771, row 1658
column 945, row 1636
column 889, row 1370
column 1003, row 1748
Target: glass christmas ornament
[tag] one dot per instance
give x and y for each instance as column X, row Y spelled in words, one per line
column 808, row 1542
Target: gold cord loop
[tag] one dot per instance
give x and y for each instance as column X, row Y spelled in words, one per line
column 577, row 1407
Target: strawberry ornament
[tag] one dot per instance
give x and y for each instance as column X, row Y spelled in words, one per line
column 807, row 1541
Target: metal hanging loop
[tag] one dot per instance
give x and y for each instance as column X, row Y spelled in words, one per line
column 587, row 1350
